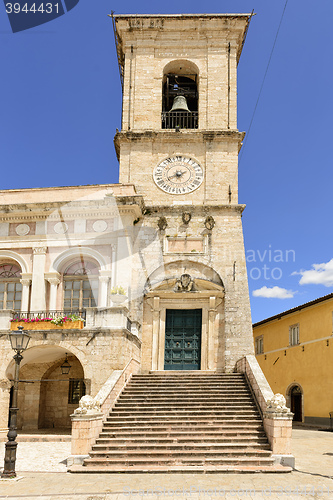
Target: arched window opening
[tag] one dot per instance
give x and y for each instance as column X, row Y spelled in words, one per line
column 180, row 96
column 80, row 286
column 10, row 286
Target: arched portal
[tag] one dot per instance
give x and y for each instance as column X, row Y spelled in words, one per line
column 46, row 396
column 295, row 396
column 183, row 324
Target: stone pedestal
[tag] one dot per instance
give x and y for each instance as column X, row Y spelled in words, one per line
column 5, row 386
column 85, row 430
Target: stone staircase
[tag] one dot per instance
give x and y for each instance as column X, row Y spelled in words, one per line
column 183, row 422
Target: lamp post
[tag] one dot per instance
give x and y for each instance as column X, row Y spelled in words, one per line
column 19, row 342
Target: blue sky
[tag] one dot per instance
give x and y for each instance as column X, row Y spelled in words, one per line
column 61, row 104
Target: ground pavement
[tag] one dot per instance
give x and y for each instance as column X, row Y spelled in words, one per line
column 42, row 476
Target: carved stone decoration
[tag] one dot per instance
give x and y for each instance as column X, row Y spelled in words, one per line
column 186, row 217
column 22, row 229
column 25, row 282
column 54, row 281
column 61, row 228
column 99, row 226
column 88, row 406
column 209, row 222
column 277, row 404
column 162, row 223
column 184, row 284
column 39, row 250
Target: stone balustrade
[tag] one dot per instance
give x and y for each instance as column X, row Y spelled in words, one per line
column 277, row 418
column 87, row 420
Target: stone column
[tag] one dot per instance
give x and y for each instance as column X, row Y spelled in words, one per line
column 5, row 386
column 38, row 281
column 54, row 282
column 103, row 290
column 25, row 282
column 211, row 323
column 156, row 329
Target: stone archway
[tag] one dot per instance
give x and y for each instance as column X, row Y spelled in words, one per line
column 46, row 398
column 185, row 287
column 295, row 401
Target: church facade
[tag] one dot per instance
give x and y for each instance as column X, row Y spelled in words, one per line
column 152, row 269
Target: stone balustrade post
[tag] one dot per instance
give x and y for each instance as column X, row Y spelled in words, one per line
column 5, row 317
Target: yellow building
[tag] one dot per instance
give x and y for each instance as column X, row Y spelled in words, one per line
column 295, row 352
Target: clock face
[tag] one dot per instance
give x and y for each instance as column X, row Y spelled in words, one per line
column 178, row 175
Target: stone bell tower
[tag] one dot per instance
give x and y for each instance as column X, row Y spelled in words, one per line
column 179, row 146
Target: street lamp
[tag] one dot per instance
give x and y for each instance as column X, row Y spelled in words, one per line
column 19, row 341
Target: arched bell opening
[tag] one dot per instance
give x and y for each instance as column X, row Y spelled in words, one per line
column 180, row 95
column 295, row 401
column 51, row 385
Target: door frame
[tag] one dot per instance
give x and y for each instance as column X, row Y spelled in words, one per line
column 209, row 301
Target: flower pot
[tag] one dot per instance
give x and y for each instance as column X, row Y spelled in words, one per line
column 118, row 299
column 46, row 325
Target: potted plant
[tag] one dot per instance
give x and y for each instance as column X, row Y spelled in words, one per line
column 118, row 295
column 48, row 323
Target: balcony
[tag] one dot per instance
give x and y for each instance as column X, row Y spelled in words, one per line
column 111, row 318
column 179, row 119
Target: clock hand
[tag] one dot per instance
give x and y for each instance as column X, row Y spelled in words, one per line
column 179, row 173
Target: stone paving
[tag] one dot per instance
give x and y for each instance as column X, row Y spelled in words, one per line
column 42, row 475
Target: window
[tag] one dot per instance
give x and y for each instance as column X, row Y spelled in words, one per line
column 77, row 389
column 80, row 286
column 294, row 334
column 259, row 345
column 10, row 287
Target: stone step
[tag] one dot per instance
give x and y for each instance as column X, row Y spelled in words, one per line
column 188, row 421
column 145, row 433
column 167, row 454
column 183, row 404
column 241, row 467
column 223, row 428
column 156, row 441
column 185, row 398
column 172, row 447
column 199, row 390
column 236, row 420
column 140, row 413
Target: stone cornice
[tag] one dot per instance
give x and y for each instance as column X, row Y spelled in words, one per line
column 194, row 209
column 171, row 135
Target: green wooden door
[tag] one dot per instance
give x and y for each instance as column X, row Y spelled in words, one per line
column 182, row 339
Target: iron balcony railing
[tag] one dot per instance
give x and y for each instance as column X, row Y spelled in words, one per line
column 47, row 314
column 179, row 119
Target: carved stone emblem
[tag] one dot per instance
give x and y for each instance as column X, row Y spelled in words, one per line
column 186, row 217
column 184, row 284
column 99, row 226
column 162, row 223
column 209, row 222
column 61, row 228
column 22, row 229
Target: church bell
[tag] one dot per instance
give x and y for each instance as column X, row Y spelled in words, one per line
column 180, row 104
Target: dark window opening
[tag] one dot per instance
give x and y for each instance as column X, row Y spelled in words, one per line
column 77, row 389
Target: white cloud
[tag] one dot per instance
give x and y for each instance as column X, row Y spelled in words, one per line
column 275, row 292
column 321, row 274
